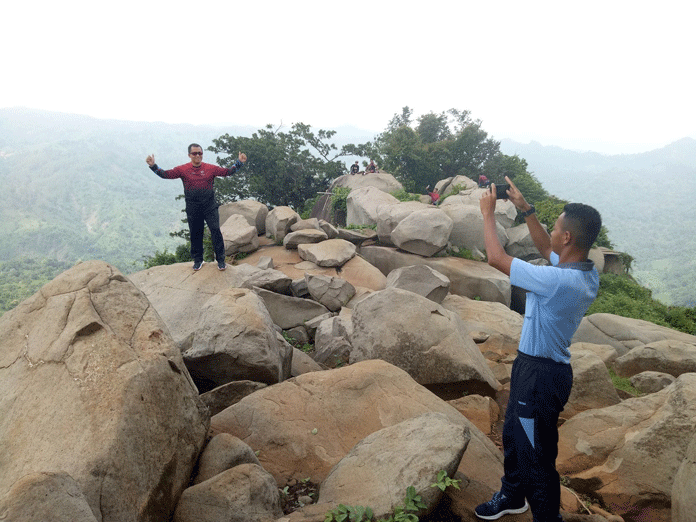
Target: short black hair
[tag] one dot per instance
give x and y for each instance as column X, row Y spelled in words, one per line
column 194, row 145
column 584, row 223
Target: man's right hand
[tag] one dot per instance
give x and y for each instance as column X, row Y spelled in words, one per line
column 516, row 196
column 150, row 160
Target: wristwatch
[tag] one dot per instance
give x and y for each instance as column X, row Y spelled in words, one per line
column 529, row 212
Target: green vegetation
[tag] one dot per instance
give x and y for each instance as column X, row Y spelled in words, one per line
column 403, row 512
column 22, row 277
column 623, row 384
column 622, row 295
column 284, row 168
column 403, row 195
column 339, row 196
column 443, row 481
column 437, row 146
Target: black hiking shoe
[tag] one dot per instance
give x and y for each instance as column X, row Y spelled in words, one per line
column 197, row 265
column 500, row 505
column 221, row 265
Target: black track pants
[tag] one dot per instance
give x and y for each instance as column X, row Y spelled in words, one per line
column 196, row 221
column 539, row 389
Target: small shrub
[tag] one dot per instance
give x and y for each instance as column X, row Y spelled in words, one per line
column 623, row 383
column 403, row 195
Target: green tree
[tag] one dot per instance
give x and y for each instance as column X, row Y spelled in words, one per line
column 283, row 168
column 440, row 146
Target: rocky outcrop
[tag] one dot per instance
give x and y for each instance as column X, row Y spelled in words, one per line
column 420, row 279
column 93, row 387
column 235, row 340
column 278, row 222
column 363, row 205
column 419, row 336
column 423, row 232
column 472, row 279
column 254, row 213
column 378, row 470
column 238, row 235
column 294, row 424
column 624, row 333
column 629, row 454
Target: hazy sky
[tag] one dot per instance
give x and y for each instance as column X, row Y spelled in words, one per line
column 610, row 76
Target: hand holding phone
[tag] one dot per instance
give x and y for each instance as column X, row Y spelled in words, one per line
column 501, row 191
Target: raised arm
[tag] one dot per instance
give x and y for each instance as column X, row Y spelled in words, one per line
column 541, row 238
column 497, row 257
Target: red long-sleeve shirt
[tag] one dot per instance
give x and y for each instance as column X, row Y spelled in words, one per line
column 199, row 189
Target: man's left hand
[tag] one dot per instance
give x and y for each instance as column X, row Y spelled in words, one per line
column 242, row 157
column 488, row 200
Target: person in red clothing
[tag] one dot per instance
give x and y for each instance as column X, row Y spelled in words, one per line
column 199, row 193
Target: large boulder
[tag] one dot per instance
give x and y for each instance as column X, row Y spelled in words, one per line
column 357, row 271
column 683, row 498
column 379, row 469
column 447, row 186
column 627, row 455
column 332, row 341
column 468, row 278
column 253, row 211
column 302, row 236
column 294, row 425
column 389, row 216
column 624, row 333
column 520, row 243
column 332, row 292
column 278, row 222
column 379, row 180
column 288, row 312
column 423, row 232
column 363, row 205
column 179, row 294
column 331, row 253
column 92, row 385
column 420, row 337
column 236, row 340
column 420, row 279
column 223, row 452
column 238, row 235
column 669, row 356
column 245, row 493
column 38, row 497
column 467, row 225
column 495, row 327
column 592, row 385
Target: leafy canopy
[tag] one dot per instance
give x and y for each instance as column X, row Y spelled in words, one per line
column 439, row 146
column 283, row 168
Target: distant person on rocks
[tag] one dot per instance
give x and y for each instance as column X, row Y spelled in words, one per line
column 354, row 168
column 371, row 168
column 434, row 195
column 199, row 193
column 483, row 181
column 557, row 299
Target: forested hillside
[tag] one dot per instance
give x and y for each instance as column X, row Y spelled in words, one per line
column 76, row 188
column 647, row 201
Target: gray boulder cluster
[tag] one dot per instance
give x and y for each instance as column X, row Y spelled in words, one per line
column 180, row 395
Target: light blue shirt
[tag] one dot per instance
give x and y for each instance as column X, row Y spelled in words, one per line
column 558, row 297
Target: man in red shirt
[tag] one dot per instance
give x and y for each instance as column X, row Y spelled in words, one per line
column 199, row 193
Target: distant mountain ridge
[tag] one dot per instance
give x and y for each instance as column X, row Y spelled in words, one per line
column 646, row 201
column 76, row 187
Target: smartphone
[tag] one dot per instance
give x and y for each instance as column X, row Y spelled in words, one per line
column 501, row 191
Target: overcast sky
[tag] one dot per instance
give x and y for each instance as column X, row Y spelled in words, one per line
column 609, row 76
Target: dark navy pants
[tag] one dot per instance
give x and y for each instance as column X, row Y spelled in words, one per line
column 197, row 219
column 539, row 389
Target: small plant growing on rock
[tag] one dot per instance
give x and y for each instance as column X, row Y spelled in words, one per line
column 443, row 481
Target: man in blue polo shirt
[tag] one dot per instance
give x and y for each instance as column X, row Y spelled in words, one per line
column 558, row 297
